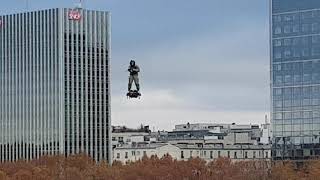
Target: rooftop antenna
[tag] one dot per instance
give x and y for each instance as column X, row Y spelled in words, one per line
column 266, row 119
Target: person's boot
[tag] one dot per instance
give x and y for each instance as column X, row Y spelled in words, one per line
column 138, row 87
column 129, row 87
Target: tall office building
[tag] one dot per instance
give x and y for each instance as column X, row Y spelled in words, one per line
column 54, row 84
column 295, row 78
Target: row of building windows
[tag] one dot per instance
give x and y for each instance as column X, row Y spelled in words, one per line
column 295, row 153
column 297, row 17
column 297, row 41
column 296, row 128
column 297, row 67
column 83, row 113
column 306, row 92
column 298, row 115
column 297, row 121
column 281, row 132
column 302, row 140
column 296, row 29
column 27, row 151
column 293, row 104
column 85, row 66
column 295, row 53
column 79, row 63
column 305, row 79
column 296, row 104
column 203, row 154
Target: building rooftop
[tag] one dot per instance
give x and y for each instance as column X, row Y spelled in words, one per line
column 142, row 146
column 124, row 129
column 193, row 146
column 219, row 146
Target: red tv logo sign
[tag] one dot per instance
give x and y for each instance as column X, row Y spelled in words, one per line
column 74, row 15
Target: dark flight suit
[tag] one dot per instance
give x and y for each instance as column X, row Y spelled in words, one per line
column 134, row 70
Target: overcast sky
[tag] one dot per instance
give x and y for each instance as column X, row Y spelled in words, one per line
column 200, row 60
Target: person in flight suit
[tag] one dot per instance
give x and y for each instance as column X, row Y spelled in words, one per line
column 134, row 70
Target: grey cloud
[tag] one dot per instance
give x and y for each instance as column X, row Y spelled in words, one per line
column 220, row 72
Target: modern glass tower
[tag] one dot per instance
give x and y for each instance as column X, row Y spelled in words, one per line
column 54, row 84
column 295, row 78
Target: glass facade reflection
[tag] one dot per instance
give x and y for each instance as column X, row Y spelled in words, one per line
column 54, row 84
column 295, row 78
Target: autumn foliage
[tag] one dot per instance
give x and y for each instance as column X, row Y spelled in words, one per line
column 81, row 167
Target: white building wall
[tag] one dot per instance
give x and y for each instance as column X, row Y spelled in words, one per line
column 137, row 139
column 235, row 153
column 133, row 154
column 266, row 133
column 126, row 137
column 242, row 138
column 240, row 154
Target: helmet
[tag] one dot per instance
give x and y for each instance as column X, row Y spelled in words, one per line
column 132, row 63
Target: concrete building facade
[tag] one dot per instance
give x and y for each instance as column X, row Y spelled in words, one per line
column 213, row 133
column 206, row 141
column 55, row 84
column 132, row 153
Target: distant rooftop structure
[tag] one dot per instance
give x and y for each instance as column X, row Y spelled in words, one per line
column 199, row 126
column 124, row 129
column 142, row 146
column 215, row 133
column 214, row 126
